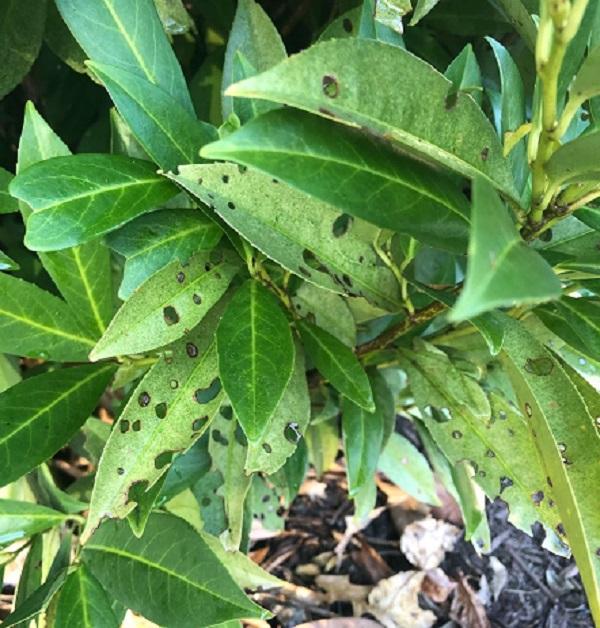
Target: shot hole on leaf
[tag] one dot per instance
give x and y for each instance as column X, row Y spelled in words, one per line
column 331, row 87
column 136, row 426
column 144, row 399
column 161, row 410
column 206, row 395
column 170, row 315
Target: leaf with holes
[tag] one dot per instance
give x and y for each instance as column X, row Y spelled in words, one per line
column 568, row 440
column 169, row 133
column 150, row 242
column 170, row 574
column 337, row 363
column 295, row 230
column 256, row 356
column 336, row 79
column 132, row 38
column 37, row 324
column 83, row 602
column 496, row 439
column 171, row 302
column 255, row 38
column 496, row 255
column 293, row 146
column 19, row 520
column 228, row 447
column 81, row 273
column 169, row 409
column 286, row 425
column 39, row 415
column 79, row 197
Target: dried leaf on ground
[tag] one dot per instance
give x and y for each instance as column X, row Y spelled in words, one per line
column 467, row 609
column 425, row 542
column 395, row 602
column 341, row 622
column 340, row 589
column 437, row 586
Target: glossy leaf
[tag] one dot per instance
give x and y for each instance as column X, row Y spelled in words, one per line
column 497, row 257
column 170, row 575
column 132, row 39
column 151, row 242
column 10, row 373
column 512, row 109
column 6, row 263
column 169, row 133
column 256, row 38
column 83, row 602
column 489, row 433
column 406, row 467
column 422, row 8
column 336, row 79
column 173, row 300
column 568, row 440
column 35, row 323
column 21, row 33
column 576, row 161
column 256, row 356
column 168, row 410
column 19, row 520
column 362, row 434
column 328, row 310
column 323, row 442
column 61, row 41
column 31, row 575
column 583, row 316
column 337, row 363
column 97, row 193
column 82, row 273
column 521, row 19
column 290, row 145
column 286, row 425
column 8, row 204
column 39, row 415
column 46, row 493
column 228, row 447
column 465, row 74
column 295, row 230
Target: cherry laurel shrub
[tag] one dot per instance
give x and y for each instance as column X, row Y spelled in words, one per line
column 252, row 260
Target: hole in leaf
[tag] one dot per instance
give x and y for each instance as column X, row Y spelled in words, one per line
column 292, row 433
column 528, row 410
column 331, row 87
column 268, row 449
column 120, row 470
column 180, row 277
column 197, row 299
column 225, row 178
column 206, row 395
column 124, row 426
column 170, row 315
column 163, row 459
column 457, row 434
column 191, row 349
column 219, row 438
column 537, row 497
column 174, row 384
column 231, row 205
column 347, row 24
column 485, row 153
column 341, row 225
column 539, row 366
column 198, row 423
column 226, row 412
column 136, row 491
column 161, row 410
column 144, row 399
column 505, row 483
column 136, row 426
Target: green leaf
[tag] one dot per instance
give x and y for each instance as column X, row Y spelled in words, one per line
column 21, row 33
column 336, row 79
column 337, row 363
column 10, row 373
column 521, row 19
column 132, row 39
column 290, row 477
column 512, row 109
column 8, row 204
column 186, row 469
column 323, row 443
column 502, row 270
column 173, row 300
column 31, row 575
column 61, row 41
column 169, row 409
column 583, row 317
column 46, row 493
column 422, row 8
column 19, row 520
column 586, row 84
column 295, row 230
column 362, row 434
column 169, row 133
column 83, row 602
column 82, row 274
column 6, row 263
column 290, row 145
column 406, row 467
column 256, row 356
column 227, row 447
column 254, row 36
column 170, row 575
column 381, row 20
column 465, row 74
column 576, row 161
column 174, row 17
column 346, row 25
column 491, row 434
column 150, row 242
column 568, row 441
column 328, row 310
column 286, row 425
column 37, row 324
column 97, row 193
column 39, row 415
